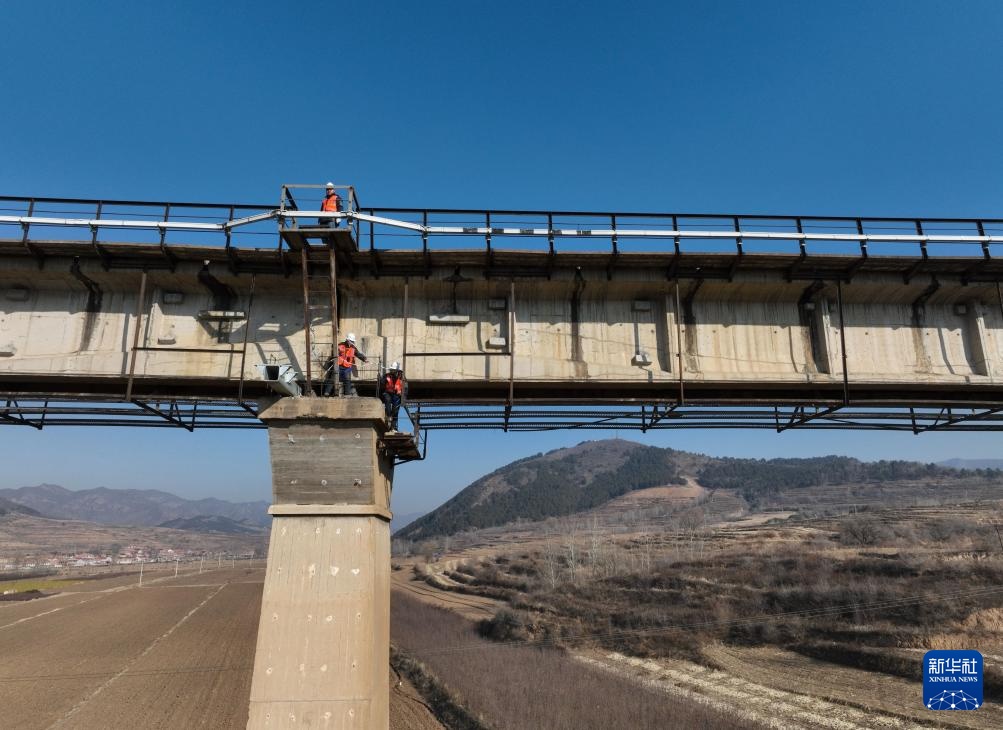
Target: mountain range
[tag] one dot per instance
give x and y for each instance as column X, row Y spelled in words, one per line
column 145, row 507
column 7, row 507
column 570, row 480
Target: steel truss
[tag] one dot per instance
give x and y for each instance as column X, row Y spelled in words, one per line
column 660, row 416
column 187, row 413
column 190, row 414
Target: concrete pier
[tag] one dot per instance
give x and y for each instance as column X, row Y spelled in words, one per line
column 324, row 635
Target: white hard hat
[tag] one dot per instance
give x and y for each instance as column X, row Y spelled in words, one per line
column 351, row 337
column 329, row 185
column 395, row 365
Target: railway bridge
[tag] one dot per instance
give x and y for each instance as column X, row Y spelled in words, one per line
column 197, row 315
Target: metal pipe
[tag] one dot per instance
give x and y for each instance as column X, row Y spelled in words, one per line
column 405, row 315
column 842, row 342
column 511, row 343
column 140, row 305
column 247, row 332
column 333, row 263
column 679, row 344
column 500, row 353
column 229, row 351
column 489, row 231
column 305, row 267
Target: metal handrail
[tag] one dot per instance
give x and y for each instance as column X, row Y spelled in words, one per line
column 419, row 224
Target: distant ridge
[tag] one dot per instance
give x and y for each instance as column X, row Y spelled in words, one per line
column 557, row 483
column 566, row 481
column 7, row 507
column 973, row 463
column 145, row 507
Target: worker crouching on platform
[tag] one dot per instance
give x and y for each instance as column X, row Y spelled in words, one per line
column 393, row 389
column 347, row 353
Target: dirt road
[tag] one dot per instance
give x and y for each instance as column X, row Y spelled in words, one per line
column 468, row 606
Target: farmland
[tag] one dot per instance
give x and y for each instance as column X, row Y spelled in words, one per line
column 174, row 653
column 816, row 616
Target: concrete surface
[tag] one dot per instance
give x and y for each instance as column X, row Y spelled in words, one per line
column 577, row 328
column 324, row 635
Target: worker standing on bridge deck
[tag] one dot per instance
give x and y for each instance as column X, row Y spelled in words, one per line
column 392, row 391
column 347, row 352
column 330, row 204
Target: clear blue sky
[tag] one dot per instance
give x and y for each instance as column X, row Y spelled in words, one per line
column 888, row 108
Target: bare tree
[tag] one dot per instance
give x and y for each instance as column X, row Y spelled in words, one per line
column 551, row 567
column 595, row 546
column 572, row 546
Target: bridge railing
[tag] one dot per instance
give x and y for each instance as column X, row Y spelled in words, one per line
column 626, row 232
column 38, row 221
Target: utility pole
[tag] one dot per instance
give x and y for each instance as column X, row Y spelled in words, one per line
column 140, row 573
column 176, row 563
column 201, row 563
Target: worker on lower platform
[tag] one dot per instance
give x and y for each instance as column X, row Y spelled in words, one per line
column 330, row 204
column 347, row 353
column 393, row 390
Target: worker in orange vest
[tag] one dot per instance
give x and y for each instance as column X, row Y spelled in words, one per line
column 393, row 388
column 347, row 354
column 330, row 204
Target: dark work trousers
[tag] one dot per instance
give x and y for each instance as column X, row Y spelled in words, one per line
column 392, row 404
column 329, row 374
column 345, row 376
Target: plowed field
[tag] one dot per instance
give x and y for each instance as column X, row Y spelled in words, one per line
column 174, row 653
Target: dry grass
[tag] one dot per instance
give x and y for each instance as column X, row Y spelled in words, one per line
column 35, row 584
column 864, row 590
column 989, row 620
column 441, row 701
column 520, row 686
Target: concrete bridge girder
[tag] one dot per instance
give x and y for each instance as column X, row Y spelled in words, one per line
column 577, row 328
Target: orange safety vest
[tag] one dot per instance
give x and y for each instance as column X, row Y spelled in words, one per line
column 346, row 355
column 331, row 204
column 393, row 384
